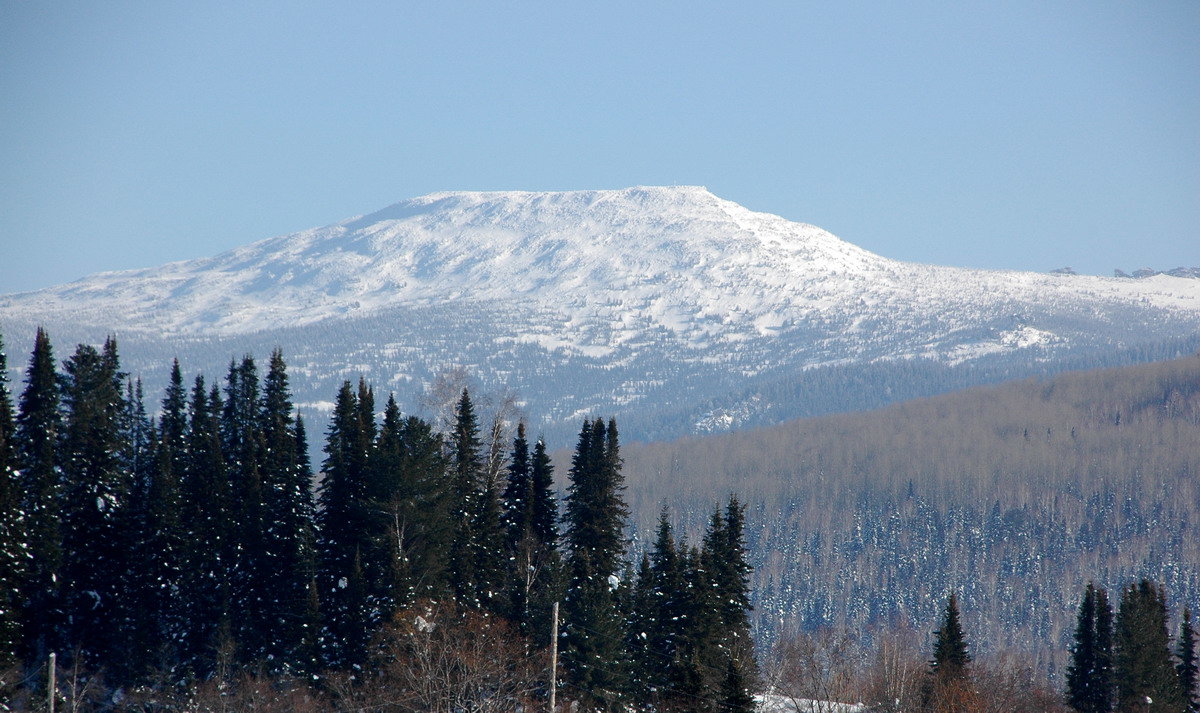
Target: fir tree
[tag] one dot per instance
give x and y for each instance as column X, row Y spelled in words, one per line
column 409, row 498
column 1089, row 688
column 14, row 550
column 251, row 575
column 344, row 532
column 595, row 518
column 518, row 494
column 208, row 549
column 1083, row 654
column 725, row 550
column 948, row 686
column 152, row 581
column 1103, row 673
column 39, row 426
column 667, row 619
column 950, row 657
column 1185, row 652
column 531, row 529
column 1143, row 667
column 96, row 487
column 289, row 557
column 466, row 468
column 735, row 690
column 544, row 508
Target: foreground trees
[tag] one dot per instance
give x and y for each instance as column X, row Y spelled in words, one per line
column 192, row 547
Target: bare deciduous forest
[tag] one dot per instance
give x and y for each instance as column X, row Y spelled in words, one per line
column 1014, row 495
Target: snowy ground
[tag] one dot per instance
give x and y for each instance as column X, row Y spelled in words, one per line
column 774, row 703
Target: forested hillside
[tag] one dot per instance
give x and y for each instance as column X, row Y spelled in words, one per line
column 1014, row 495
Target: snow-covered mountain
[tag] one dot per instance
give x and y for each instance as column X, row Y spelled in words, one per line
column 623, row 301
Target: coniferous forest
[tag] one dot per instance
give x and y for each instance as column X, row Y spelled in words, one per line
column 182, row 552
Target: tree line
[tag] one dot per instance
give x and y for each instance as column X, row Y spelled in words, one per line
column 1120, row 662
column 1011, row 495
column 187, row 549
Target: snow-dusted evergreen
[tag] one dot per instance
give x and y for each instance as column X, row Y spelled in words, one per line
column 680, row 310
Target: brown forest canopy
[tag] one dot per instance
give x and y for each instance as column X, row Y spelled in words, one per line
column 1015, row 494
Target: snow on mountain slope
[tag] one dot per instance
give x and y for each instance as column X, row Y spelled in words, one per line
column 679, row 258
column 671, row 283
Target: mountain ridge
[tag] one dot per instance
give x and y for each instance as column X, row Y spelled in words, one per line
column 665, row 296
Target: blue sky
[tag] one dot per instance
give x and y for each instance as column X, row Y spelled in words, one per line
column 1027, row 135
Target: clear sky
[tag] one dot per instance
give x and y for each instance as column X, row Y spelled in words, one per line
column 1028, row 134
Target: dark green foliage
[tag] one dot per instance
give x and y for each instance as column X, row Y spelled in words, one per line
column 289, row 560
column 39, row 427
column 466, row 471
column 344, row 527
column 595, row 519
column 950, row 657
column 667, row 617
column 209, row 548
column 518, row 494
column 13, row 546
column 1089, row 675
column 1185, row 653
column 735, row 690
column 151, row 591
column 1142, row 656
column 725, row 555
column 544, row 516
column 408, row 496
column 96, row 489
column 212, row 559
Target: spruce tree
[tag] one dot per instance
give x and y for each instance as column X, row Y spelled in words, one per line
column 14, row 550
column 544, row 580
column 1089, row 676
column 725, row 549
column 544, row 507
column 667, row 619
column 251, row 576
column 518, row 494
column 1083, row 654
column 409, row 498
column 96, row 488
column 1143, row 667
column 166, row 536
column 1103, row 688
column 344, row 533
column 948, row 687
column 595, row 520
column 1185, row 653
column 154, row 541
column 289, row 557
column 466, row 469
column 209, row 543
column 950, row 657
column 735, row 690
column 39, row 427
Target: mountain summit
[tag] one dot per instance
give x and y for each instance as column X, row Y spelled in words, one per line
column 644, row 294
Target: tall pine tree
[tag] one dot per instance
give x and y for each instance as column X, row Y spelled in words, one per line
column 39, row 427
column 96, row 487
column 1185, row 652
column 211, row 542
column 1143, row 667
column 595, row 522
column 288, row 561
column 466, row 469
column 14, row 550
column 344, row 532
column 1089, row 676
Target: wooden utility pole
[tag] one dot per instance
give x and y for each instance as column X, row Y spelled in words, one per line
column 553, row 655
column 53, row 687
